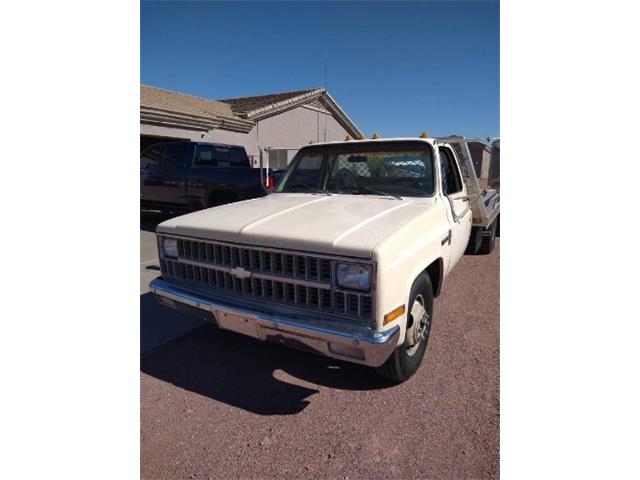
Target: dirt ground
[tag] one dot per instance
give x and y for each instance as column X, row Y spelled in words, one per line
column 218, row 405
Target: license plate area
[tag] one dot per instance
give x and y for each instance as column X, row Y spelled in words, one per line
column 243, row 324
column 301, row 342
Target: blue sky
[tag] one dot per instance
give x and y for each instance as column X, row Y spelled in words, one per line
column 395, row 68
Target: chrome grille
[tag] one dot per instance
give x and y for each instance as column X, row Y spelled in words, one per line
column 294, row 279
column 264, row 261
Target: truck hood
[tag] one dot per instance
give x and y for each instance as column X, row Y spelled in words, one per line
column 349, row 225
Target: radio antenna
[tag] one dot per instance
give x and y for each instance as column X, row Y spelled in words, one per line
column 325, row 90
column 325, row 75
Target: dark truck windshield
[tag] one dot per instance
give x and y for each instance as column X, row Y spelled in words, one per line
column 392, row 168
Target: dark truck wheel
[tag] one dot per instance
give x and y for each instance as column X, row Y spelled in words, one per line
column 405, row 360
column 475, row 240
column 488, row 239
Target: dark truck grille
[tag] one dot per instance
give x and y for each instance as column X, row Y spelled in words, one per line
column 298, row 280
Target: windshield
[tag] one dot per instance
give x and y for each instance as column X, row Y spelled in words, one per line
column 378, row 169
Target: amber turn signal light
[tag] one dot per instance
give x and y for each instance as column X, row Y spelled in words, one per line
column 393, row 314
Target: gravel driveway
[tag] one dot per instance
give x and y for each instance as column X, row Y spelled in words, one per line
column 218, row 405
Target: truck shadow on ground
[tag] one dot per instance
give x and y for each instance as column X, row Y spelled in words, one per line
column 240, row 371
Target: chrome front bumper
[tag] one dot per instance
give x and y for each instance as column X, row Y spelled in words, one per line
column 333, row 339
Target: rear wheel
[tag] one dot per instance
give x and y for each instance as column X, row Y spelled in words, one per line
column 488, row 239
column 405, row 359
column 475, row 240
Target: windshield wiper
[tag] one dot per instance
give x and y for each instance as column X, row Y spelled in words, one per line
column 308, row 187
column 362, row 188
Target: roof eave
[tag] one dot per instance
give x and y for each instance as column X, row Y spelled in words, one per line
column 275, row 108
column 330, row 103
column 342, row 116
column 192, row 121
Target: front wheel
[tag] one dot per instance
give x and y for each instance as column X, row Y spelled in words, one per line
column 406, row 358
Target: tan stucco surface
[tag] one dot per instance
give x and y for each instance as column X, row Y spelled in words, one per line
column 292, row 129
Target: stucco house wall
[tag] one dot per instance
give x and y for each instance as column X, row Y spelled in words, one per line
column 270, row 127
column 297, row 127
column 289, row 130
column 159, row 131
column 247, row 140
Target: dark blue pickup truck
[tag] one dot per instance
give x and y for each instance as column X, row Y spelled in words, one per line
column 186, row 176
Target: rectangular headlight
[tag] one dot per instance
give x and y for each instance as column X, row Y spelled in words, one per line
column 170, row 247
column 354, row 276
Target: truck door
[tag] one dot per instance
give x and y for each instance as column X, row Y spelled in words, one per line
column 459, row 213
column 150, row 161
column 164, row 181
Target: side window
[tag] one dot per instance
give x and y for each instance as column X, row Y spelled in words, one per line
column 174, row 156
column 220, row 156
column 451, row 181
column 152, row 156
column 205, row 156
column 238, row 157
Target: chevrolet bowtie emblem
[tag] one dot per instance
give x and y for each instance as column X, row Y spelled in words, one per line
column 240, row 273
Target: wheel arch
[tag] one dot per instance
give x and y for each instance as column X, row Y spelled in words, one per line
column 435, row 270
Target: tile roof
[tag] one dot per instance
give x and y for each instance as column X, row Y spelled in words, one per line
column 248, row 104
column 165, row 107
column 154, row 97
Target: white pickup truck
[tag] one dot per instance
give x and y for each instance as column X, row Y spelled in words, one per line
column 345, row 258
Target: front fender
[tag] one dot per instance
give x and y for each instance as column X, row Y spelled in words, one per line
column 401, row 259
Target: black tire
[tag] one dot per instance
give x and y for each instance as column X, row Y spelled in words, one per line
column 498, row 227
column 405, row 359
column 475, row 240
column 488, row 239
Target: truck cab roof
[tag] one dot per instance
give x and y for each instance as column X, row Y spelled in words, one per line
column 215, row 144
column 429, row 141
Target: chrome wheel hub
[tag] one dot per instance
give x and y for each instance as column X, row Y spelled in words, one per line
column 418, row 323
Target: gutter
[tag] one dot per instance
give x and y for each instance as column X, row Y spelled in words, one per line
column 277, row 107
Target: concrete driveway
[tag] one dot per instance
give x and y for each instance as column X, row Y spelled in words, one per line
column 158, row 324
